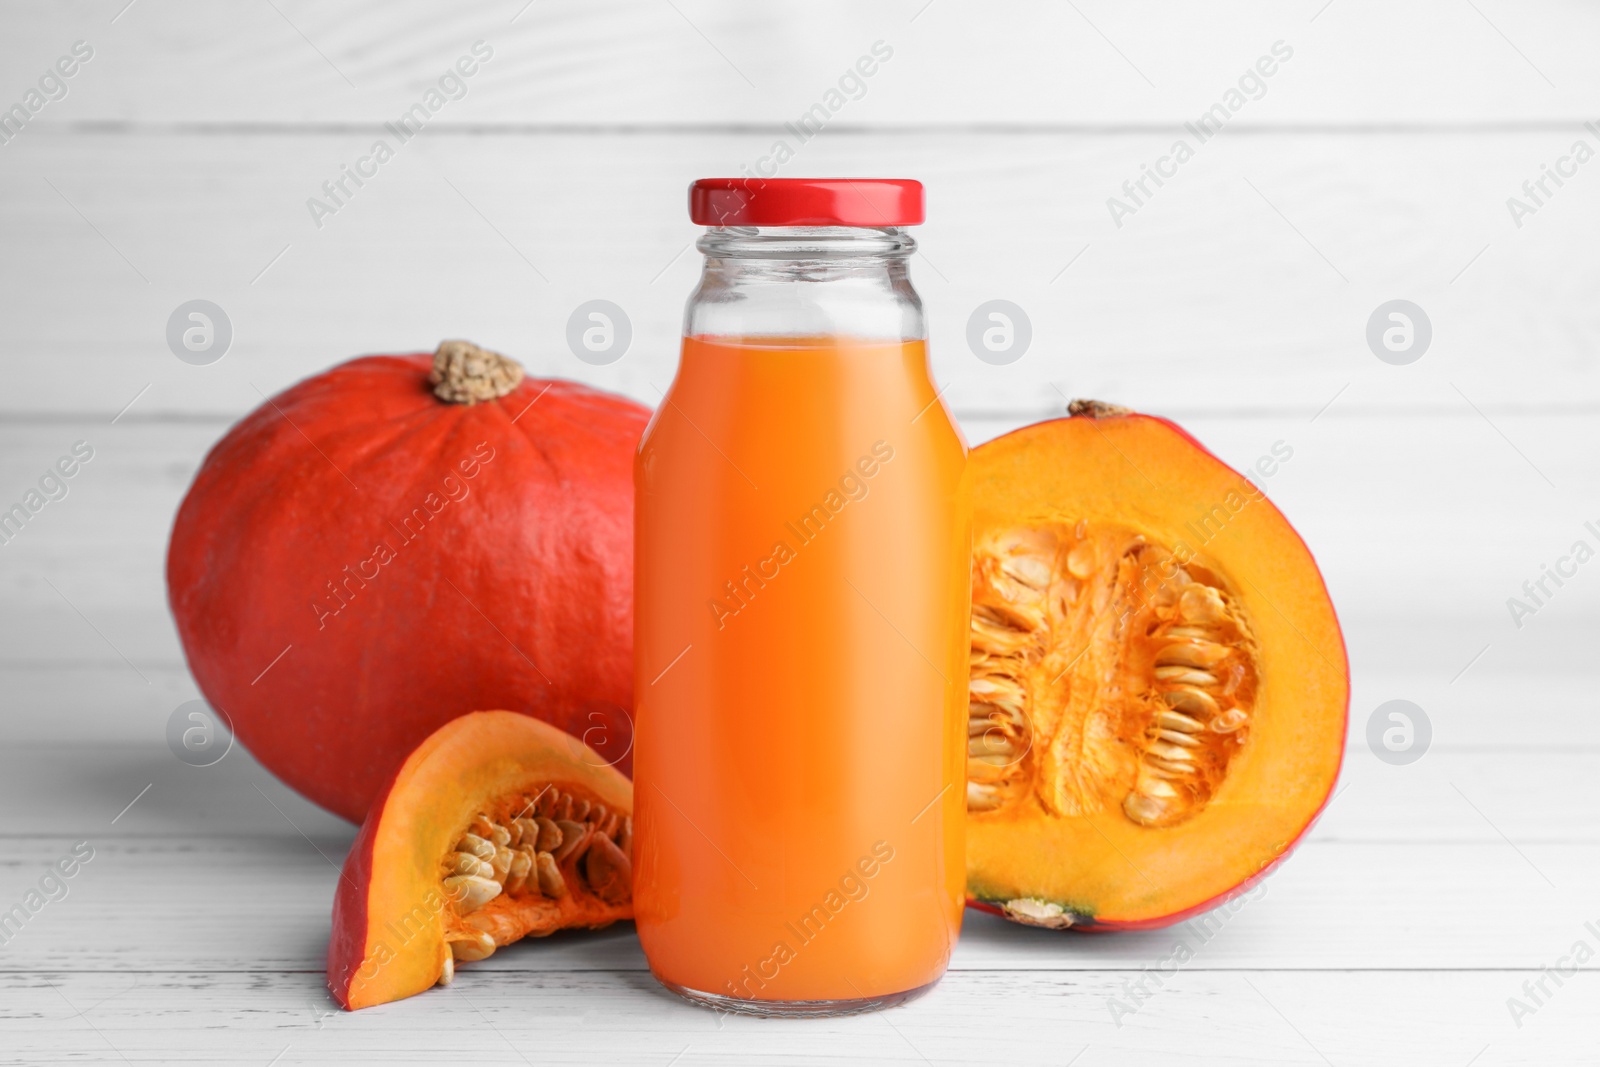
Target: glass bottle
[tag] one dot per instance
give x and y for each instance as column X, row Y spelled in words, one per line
column 802, row 587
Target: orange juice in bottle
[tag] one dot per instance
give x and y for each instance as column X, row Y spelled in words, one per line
column 802, row 560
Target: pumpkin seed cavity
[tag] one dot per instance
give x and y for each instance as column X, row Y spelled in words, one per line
column 514, row 864
column 1106, row 672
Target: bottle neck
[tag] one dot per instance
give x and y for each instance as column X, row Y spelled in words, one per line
column 829, row 243
column 817, row 281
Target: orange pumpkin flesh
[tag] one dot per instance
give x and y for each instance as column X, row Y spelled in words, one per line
column 1159, row 685
column 474, row 795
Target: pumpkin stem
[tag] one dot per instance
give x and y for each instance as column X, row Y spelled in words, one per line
column 463, row 373
column 1096, row 409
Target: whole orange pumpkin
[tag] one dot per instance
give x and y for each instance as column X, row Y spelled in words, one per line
column 399, row 541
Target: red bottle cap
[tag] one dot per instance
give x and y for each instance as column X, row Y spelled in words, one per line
column 806, row 202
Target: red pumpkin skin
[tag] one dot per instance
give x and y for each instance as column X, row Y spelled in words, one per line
column 509, row 582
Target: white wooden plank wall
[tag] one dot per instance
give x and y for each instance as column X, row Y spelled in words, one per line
column 1375, row 163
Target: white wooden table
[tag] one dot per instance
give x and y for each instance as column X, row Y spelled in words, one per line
column 197, row 931
column 1376, row 164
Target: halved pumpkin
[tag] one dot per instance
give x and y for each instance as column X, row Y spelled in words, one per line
column 497, row 827
column 1159, row 684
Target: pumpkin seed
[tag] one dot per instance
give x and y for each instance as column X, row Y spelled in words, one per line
column 1172, row 720
column 467, row 863
column 1187, row 698
column 1184, row 676
column 991, row 743
column 501, row 863
column 549, row 837
column 517, row 872
column 1144, row 809
column 469, row 892
column 551, row 883
column 476, row 845
column 1193, row 653
column 1229, row 721
column 1171, row 767
column 574, row 835
column 1167, row 751
column 982, row 796
column 545, row 804
column 608, row 871
column 490, row 831
column 471, row 946
column 524, row 832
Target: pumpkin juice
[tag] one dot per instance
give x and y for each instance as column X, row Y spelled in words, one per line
column 802, row 588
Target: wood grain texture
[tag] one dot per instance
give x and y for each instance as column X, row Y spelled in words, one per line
column 196, row 933
column 1417, row 853
column 219, row 904
column 1265, row 256
column 635, row 62
column 1040, row 1018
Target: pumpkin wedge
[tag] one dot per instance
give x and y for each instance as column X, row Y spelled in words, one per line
column 1159, row 685
column 497, row 827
